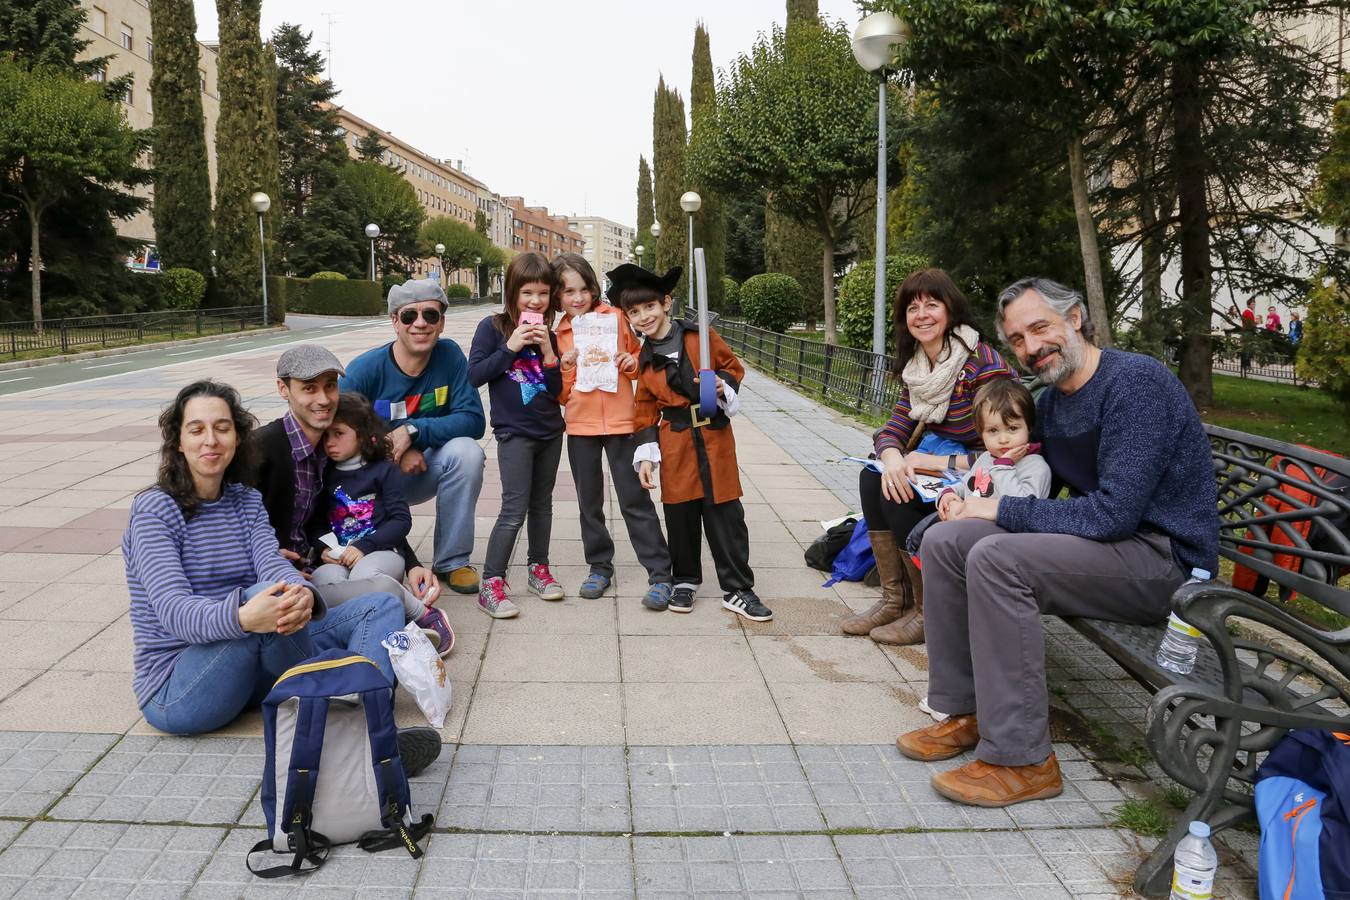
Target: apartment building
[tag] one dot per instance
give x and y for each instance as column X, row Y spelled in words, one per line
column 120, row 29
column 608, row 244
column 534, row 228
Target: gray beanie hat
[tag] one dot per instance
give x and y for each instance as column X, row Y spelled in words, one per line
column 400, row 295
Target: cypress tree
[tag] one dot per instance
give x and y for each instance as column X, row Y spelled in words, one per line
column 246, row 142
column 182, row 209
column 668, row 152
column 711, row 228
column 646, row 211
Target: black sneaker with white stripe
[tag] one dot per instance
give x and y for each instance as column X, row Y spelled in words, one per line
column 745, row 603
column 682, row 601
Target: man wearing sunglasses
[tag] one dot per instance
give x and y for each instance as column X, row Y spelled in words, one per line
column 419, row 383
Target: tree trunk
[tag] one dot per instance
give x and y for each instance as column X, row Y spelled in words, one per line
column 35, row 268
column 1151, row 311
column 827, row 286
column 1193, row 211
column 1087, row 241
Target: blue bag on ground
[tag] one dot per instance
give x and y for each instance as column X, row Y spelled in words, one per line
column 1303, row 805
column 855, row 560
column 333, row 774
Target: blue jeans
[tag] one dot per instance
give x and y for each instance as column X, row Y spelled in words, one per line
column 454, row 476
column 213, row 683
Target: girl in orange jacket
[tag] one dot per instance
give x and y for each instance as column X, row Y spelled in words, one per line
column 600, row 423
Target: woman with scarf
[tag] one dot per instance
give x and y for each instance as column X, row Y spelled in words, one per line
column 942, row 361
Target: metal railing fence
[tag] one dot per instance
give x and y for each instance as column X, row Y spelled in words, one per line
column 90, row 332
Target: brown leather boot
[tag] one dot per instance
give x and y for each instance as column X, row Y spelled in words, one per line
column 908, row 629
column 894, row 590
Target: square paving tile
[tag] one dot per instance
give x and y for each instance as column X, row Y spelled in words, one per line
column 688, row 658
column 60, row 700
column 506, row 865
column 714, row 713
column 36, row 767
column 745, row 866
column 106, row 860
column 842, row 713
column 863, row 786
column 348, row 872
column 167, row 779
column 537, row 789
column 544, row 713
column 813, row 658
column 560, row 658
column 746, row 788
column 947, row 864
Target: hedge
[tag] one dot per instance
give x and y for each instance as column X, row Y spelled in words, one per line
column 731, row 296
column 328, row 276
column 772, row 300
column 182, row 288
column 459, row 292
column 855, row 306
column 328, row 297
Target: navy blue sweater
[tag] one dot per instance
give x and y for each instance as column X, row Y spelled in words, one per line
column 522, row 391
column 1131, row 449
column 365, row 507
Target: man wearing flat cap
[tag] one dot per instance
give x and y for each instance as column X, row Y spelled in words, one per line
column 419, row 383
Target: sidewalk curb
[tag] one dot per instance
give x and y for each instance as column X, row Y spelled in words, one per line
column 134, row 348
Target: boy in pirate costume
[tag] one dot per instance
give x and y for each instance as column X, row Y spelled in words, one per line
column 700, row 485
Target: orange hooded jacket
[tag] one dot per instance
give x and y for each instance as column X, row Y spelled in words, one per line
column 599, row 412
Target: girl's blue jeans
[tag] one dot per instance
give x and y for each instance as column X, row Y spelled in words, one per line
column 213, row 683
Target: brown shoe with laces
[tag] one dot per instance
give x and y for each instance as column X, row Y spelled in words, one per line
column 980, row 783
column 940, row 741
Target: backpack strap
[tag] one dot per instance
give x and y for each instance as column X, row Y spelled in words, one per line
column 312, row 848
column 298, row 805
column 396, row 833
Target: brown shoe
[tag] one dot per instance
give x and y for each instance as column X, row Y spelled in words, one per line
column 908, row 629
column 895, row 597
column 980, row 783
column 463, row 580
column 940, row 741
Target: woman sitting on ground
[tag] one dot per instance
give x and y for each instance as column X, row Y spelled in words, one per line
column 942, row 361
column 217, row 613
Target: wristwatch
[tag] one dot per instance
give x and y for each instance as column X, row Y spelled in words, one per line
column 412, row 429
column 951, row 461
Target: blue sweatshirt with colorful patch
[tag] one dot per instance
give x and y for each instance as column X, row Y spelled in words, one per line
column 440, row 402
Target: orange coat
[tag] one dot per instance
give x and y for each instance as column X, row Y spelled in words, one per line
column 683, row 448
column 598, row 412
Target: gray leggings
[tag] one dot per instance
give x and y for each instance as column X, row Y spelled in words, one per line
column 370, row 575
column 529, row 468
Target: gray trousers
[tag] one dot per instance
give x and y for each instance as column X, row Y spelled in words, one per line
column 584, row 454
column 371, row 574
column 984, row 592
column 529, row 469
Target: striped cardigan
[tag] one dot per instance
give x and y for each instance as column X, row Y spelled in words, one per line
column 188, row 578
column 985, row 365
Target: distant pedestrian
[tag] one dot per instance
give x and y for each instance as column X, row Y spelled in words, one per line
column 1295, row 328
column 514, row 353
column 1249, row 315
column 1273, row 323
column 1248, row 332
column 600, row 423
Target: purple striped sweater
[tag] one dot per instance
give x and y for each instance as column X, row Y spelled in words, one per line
column 188, row 578
column 985, row 365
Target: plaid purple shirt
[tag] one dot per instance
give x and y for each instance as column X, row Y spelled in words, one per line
column 308, row 475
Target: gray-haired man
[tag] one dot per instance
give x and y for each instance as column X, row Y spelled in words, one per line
column 1121, row 432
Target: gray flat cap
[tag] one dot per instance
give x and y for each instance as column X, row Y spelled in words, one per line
column 305, row 361
column 400, row 295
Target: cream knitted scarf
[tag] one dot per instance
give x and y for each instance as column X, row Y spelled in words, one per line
column 930, row 386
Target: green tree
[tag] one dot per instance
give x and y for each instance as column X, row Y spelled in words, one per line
column 795, row 249
column 795, row 115
column 480, row 222
column 371, row 148
column 182, row 209
column 646, row 210
column 745, row 233
column 46, row 33
column 379, row 194
column 1332, row 195
column 668, row 174
column 246, row 149
column 463, row 244
column 57, row 131
column 311, row 150
column 1324, row 353
column 711, row 229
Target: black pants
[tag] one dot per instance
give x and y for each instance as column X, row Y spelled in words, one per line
column 584, row 454
column 728, row 539
column 881, row 513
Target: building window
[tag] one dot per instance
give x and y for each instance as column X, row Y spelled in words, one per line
column 150, row 50
column 201, row 79
column 97, row 21
column 127, row 95
column 127, row 36
column 101, row 76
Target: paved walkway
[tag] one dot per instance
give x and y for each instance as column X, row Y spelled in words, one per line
column 594, row 747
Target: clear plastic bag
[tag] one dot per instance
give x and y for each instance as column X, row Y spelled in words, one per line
column 421, row 671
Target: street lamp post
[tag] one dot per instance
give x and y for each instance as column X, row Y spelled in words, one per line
column 440, row 253
column 261, row 204
column 477, row 275
column 690, row 202
column 874, row 44
column 372, row 232
column 638, row 250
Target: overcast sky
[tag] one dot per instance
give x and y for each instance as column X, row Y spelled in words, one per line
column 551, row 101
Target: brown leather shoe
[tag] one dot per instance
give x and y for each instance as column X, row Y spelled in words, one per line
column 908, row 629
column 980, row 783
column 895, row 598
column 940, row 741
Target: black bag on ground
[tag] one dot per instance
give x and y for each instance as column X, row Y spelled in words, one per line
column 820, row 555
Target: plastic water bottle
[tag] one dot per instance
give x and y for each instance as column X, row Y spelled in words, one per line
column 1194, row 865
column 1181, row 642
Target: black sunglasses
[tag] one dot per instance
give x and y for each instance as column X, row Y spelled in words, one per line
column 430, row 316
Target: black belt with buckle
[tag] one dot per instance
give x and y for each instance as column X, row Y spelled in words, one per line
column 682, row 417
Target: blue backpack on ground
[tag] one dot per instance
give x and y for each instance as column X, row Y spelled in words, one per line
column 333, row 774
column 1303, row 805
column 855, row 560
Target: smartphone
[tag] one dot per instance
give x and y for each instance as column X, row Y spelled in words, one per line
column 530, row 317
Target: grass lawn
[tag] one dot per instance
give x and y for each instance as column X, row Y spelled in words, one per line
column 1299, row 415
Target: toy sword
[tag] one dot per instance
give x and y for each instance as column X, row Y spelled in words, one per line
column 707, row 378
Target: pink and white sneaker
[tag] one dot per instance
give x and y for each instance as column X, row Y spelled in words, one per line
column 492, row 599
column 544, row 584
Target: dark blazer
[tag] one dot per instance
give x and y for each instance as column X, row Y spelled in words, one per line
column 275, row 480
